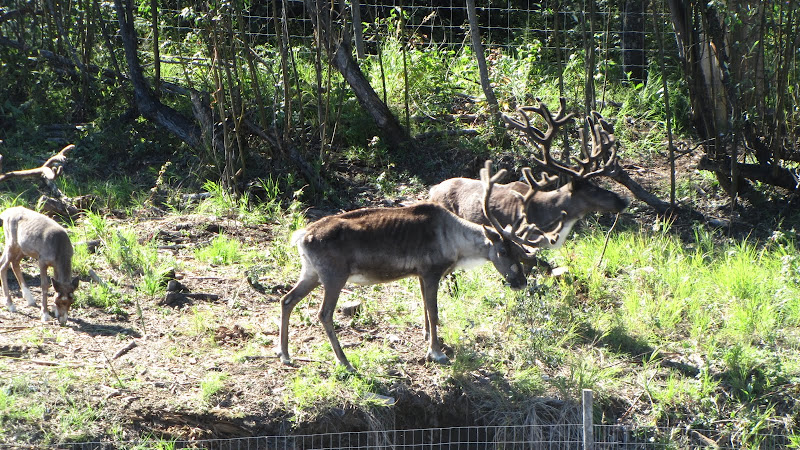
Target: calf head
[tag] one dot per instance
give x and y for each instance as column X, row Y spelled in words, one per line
column 64, row 298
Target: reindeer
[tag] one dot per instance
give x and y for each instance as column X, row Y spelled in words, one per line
column 530, row 199
column 378, row 245
column 28, row 233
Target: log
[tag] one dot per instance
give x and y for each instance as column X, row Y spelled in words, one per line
column 58, row 208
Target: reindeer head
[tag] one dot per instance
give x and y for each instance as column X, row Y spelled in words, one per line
column 64, row 298
column 511, row 244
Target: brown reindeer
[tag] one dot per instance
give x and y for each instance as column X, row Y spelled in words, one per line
column 530, row 199
column 378, row 245
column 28, row 233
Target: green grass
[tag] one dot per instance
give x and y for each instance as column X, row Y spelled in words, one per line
column 212, row 384
column 315, row 388
column 15, row 403
column 222, row 250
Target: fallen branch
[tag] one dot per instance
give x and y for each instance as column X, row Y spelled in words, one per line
column 96, row 278
column 124, row 350
column 173, row 298
column 13, row 328
column 50, row 170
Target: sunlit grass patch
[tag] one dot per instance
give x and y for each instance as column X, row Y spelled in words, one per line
column 317, row 387
column 222, row 251
column 212, row 384
column 17, row 401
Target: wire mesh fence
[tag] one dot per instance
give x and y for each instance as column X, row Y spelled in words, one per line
column 507, row 25
column 545, row 437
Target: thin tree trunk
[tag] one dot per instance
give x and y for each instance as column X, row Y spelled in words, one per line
column 689, row 44
column 357, row 29
column 395, row 135
column 107, row 38
column 565, row 149
column 634, row 58
column 477, row 48
column 146, row 103
column 156, row 50
column 589, row 64
column 251, row 66
column 657, row 25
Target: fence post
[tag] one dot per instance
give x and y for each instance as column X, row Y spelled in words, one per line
column 588, row 420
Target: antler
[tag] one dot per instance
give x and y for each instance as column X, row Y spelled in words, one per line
column 536, row 185
column 600, row 159
column 517, row 230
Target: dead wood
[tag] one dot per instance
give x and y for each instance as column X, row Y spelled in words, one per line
column 124, row 350
column 91, row 245
column 51, row 168
column 96, row 278
column 58, row 208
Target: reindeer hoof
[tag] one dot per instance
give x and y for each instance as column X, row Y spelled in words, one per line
column 45, row 317
column 284, row 358
column 348, row 367
column 438, row 357
column 11, row 307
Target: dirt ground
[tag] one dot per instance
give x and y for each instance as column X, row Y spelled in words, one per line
column 144, row 368
column 141, row 367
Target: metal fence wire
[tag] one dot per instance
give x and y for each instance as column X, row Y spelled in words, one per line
column 545, row 437
column 510, row 25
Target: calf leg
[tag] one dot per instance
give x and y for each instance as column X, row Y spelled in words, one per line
column 23, row 286
column 45, row 287
column 4, row 263
column 304, row 286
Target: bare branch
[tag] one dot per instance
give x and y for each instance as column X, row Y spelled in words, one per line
column 50, row 170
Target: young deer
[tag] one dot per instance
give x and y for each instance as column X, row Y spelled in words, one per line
column 530, row 199
column 28, row 233
column 378, row 245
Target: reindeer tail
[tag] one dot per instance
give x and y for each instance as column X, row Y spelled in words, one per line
column 297, row 236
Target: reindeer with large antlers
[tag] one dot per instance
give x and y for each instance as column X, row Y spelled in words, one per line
column 378, row 245
column 531, row 200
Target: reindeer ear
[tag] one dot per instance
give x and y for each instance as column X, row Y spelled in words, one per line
column 491, row 234
column 75, row 282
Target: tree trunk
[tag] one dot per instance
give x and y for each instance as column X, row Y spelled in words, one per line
column 395, row 135
column 477, row 47
column 634, row 58
column 764, row 173
column 146, row 101
column 689, row 44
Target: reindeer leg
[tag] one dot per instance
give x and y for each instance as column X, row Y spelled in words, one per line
column 332, row 290
column 425, row 309
column 430, row 290
column 4, row 262
column 304, row 286
column 45, row 286
column 23, row 286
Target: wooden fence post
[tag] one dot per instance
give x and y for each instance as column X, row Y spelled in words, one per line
column 588, row 420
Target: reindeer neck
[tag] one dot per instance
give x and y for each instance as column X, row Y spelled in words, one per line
column 62, row 260
column 472, row 244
